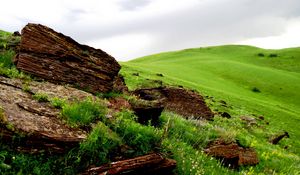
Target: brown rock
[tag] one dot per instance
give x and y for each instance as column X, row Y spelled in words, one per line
column 36, row 125
column 182, row 101
column 250, row 121
column 147, row 111
column 58, row 58
column 119, row 84
column 118, row 103
column 231, row 154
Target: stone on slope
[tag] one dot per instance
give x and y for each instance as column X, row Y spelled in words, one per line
column 55, row 57
column 179, row 100
column 231, row 154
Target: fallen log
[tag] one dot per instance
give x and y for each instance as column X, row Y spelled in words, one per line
column 148, row 164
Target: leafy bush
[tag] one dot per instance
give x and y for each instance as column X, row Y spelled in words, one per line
column 84, row 112
column 99, row 144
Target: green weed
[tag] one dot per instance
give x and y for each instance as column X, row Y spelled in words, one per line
column 41, row 97
column 100, row 143
column 58, row 102
column 81, row 113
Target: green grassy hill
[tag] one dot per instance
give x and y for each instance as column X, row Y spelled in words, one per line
column 252, row 80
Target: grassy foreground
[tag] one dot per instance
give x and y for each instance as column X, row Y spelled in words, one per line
column 252, row 81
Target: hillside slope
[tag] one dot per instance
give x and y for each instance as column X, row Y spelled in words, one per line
column 252, row 80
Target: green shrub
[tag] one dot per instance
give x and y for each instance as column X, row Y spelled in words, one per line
column 41, row 97
column 100, row 143
column 57, row 102
column 84, row 112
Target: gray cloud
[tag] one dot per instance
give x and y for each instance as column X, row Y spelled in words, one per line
column 206, row 23
column 133, row 4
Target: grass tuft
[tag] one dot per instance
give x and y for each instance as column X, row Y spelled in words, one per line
column 82, row 113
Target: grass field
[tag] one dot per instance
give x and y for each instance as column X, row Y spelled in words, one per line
column 253, row 81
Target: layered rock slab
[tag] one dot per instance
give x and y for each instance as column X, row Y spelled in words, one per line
column 55, row 57
column 31, row 126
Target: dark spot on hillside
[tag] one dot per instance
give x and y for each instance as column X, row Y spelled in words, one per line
column 148, row 111
column 260, row 54
column 225, row 115
column 255, row 89
column 273, row 55
column 135, row 74
column 276, row 139
column 160, row 75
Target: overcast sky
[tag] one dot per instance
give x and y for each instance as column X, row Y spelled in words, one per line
column 128, row 29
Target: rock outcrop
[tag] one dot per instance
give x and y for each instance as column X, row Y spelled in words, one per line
column 182, row 101
column 31, row 126
column 57, row 58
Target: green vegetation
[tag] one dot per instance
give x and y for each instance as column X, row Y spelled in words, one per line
column 231, row 74
column 82, row 113
column 7, row 67
column 40, row 97
column 58, row 102
column 4, row 37
column 142, row 139
column 100, row 143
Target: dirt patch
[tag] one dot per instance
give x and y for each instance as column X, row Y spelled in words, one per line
column 179, row 100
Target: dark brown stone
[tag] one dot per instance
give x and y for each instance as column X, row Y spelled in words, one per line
column 147, row 111
column 119, row 84
column 231, row 154
column 58, row 58
column 182, row 101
